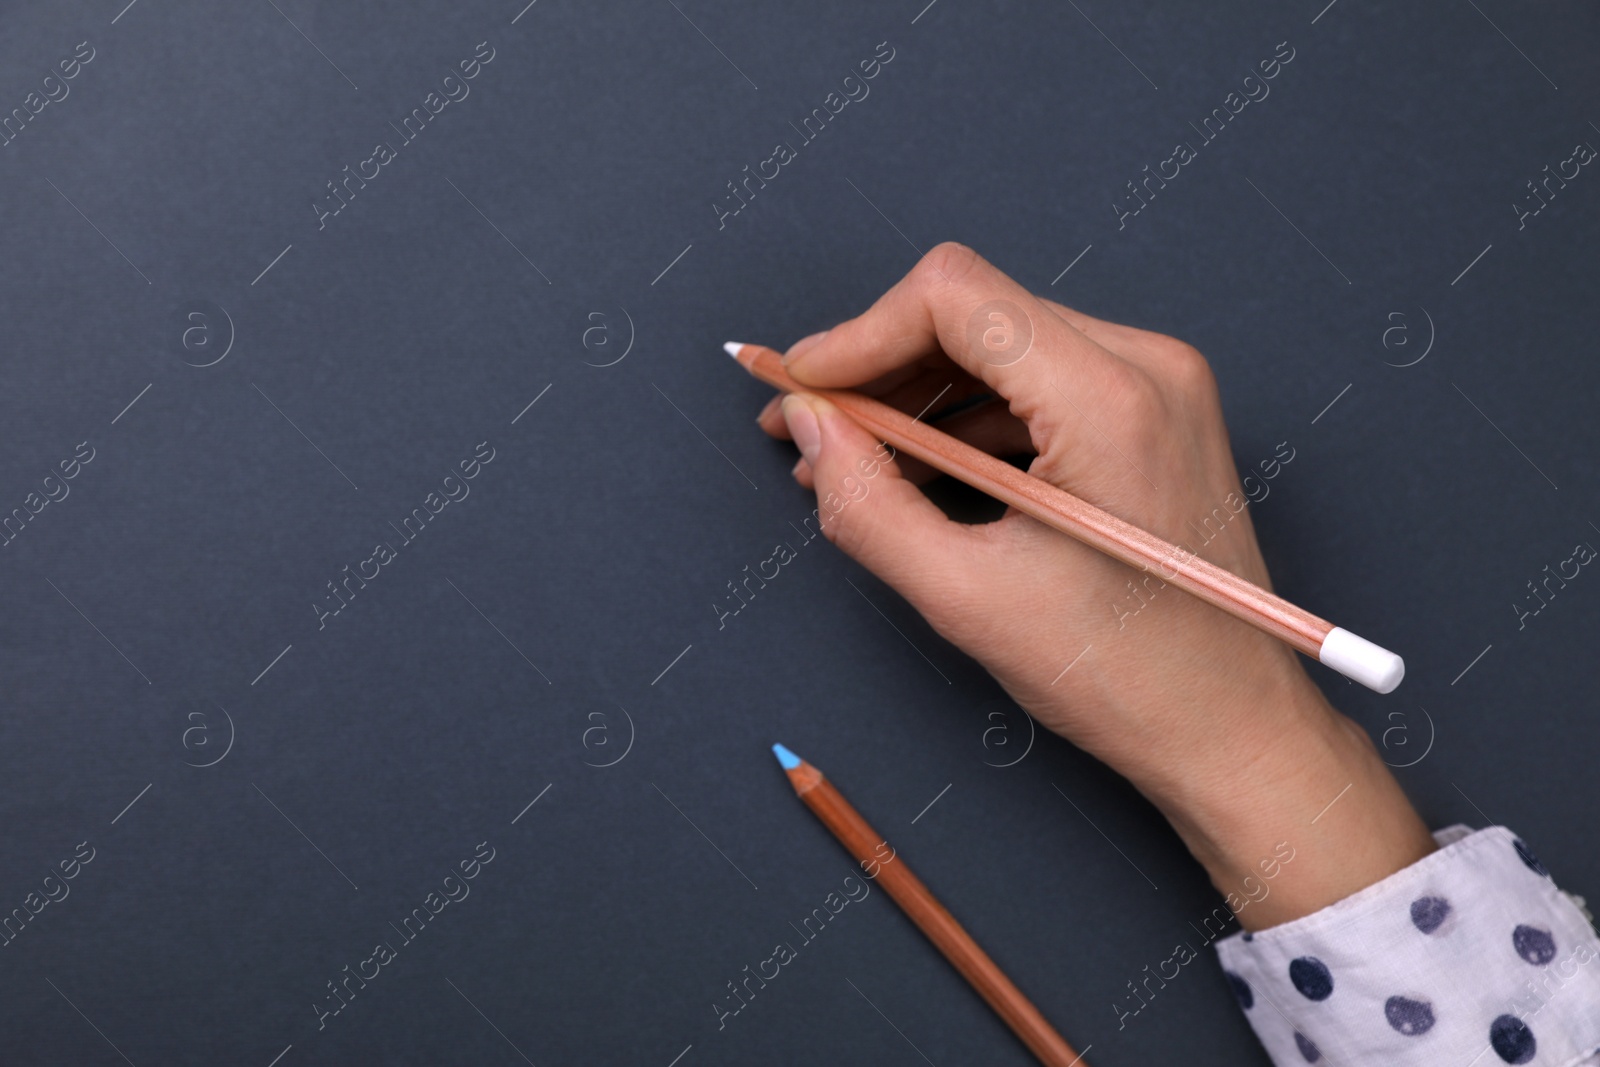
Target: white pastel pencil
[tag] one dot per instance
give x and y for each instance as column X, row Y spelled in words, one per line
column 1355, row 657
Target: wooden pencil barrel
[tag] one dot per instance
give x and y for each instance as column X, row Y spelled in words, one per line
column 935, row 921
column 1061, row 510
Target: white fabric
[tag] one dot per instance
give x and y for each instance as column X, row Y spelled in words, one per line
column 1470, row 957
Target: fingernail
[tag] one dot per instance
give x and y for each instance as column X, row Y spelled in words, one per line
column 799, row 465
column 803, row 426
column 801, row 345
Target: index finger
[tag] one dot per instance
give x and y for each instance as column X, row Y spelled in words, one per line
column 955, row 301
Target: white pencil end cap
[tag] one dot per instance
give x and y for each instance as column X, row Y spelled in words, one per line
column 1357, row 658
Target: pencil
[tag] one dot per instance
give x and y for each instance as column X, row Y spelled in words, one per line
column 1355, row 657
column 881, row 863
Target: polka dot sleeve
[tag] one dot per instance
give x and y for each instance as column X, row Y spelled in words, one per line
column 1471, row 957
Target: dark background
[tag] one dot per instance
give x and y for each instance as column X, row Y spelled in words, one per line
column 526, row 632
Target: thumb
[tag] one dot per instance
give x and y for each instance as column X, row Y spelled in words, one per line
column 867, row 507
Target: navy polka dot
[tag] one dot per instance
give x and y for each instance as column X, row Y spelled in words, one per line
column 1429, row 913
column 1512, row 1039
column 1409, row 1017
column 1307, row 1047
column 1241, row 989
column 1529, row 858
column 1312, row 977
column 1534, row 945
column 1248, row 936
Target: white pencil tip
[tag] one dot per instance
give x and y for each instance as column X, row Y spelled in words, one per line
column 733, row 348
column 1355, row 657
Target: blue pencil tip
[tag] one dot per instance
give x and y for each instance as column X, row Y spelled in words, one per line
column 789, row 760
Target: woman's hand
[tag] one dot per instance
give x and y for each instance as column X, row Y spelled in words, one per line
column 1214, row 721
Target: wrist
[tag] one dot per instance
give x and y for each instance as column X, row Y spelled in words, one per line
column 1292, row 813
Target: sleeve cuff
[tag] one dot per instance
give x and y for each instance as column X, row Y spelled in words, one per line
column 1469, row 956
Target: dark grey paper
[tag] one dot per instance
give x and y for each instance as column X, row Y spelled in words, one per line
column 280, row 276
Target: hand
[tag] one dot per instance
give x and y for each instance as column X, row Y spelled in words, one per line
column 1211, row 719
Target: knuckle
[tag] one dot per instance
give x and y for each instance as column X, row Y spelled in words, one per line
column 947, row 262
column 1185, row 365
